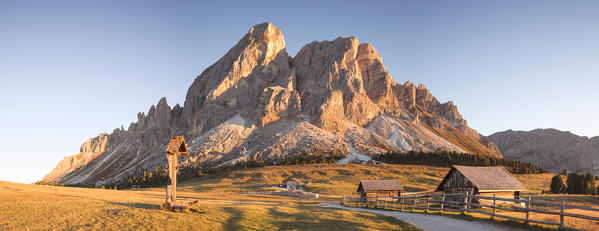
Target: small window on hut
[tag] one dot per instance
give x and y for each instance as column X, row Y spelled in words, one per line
column 517, row 195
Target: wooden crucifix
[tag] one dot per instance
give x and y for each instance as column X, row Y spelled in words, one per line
column 176, row 147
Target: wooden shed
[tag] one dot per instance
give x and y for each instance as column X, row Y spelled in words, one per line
column 483, row 181
column 373, row 188
column 296, row 184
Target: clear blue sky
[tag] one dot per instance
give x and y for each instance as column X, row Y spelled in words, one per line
column 70, row 70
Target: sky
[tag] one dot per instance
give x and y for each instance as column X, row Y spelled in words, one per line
column 70, row 70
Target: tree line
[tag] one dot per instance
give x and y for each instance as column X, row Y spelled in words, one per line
column 158, row 176
column 575, row 184
column 447, row 159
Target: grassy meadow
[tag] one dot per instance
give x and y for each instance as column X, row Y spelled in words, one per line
column 341, row 179
column 222, row 206
column 40, row 207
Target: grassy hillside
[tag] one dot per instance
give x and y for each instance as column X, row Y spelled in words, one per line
column 341, row 179
column 221, row 207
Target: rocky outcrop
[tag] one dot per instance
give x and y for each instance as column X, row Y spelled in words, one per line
column 550, row 149
column 236, row 83
column 257, row 103
column 88, row 151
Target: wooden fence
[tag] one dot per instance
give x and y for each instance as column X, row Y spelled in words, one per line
column 470, row 203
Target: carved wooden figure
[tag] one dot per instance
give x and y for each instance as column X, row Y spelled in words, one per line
column 176, row 147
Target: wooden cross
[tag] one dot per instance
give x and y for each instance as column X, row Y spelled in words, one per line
column 176, row 147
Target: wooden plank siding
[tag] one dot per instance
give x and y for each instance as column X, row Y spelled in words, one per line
column 457, row 183
column 374, row 194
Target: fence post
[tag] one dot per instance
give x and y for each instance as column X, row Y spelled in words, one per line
column 561, row 215
column 494, row 204
column 465, row 202
column 428, row 200
column 413, row 203
column 401, row 204
column 527, row 209
column 442, row 201
column 377, row 201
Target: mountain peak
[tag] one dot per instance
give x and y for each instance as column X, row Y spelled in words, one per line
column 265, row 28
column 265, row 33
column 257, row 103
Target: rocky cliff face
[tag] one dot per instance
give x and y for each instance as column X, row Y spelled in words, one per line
column 256, row 102
column 550, row 149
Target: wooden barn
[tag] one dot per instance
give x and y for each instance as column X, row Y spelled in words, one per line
column 373, row 188
column 483, row 181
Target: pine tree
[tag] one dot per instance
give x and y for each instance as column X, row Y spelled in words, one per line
column 557, row 185
column 571, row 183
column 589, row 184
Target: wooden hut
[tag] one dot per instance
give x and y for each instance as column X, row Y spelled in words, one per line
column 483, row 181
column 296, row 184
column 373, row 188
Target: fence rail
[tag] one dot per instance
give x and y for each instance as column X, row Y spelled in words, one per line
column 463, row 202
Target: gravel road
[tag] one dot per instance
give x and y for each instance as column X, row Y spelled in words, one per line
column 430, row 222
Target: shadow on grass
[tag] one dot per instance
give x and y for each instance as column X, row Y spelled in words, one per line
column 137, row 205
column 233, row 222
column 9, row 188
column 309, row 219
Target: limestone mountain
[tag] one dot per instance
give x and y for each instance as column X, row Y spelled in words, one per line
column 550, row 149
column 258, row 103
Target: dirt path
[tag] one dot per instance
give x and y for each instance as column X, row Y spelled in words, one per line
column 430, row 222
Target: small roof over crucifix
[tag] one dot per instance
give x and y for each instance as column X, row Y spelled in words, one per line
column 177, row 146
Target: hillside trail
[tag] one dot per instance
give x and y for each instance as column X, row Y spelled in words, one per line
column 430, row 222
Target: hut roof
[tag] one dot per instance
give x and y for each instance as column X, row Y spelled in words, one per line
column 177, row 146
column 495, row 178
column 380, row 185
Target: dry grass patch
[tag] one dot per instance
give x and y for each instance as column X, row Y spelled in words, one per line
column 37, row 207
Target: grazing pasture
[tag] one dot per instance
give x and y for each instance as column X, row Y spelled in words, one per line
column 223, row 204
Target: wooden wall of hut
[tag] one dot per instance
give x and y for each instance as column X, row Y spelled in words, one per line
column 371, row 194
column 457, row 183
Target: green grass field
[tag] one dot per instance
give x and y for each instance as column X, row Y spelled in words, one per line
column 221, row 207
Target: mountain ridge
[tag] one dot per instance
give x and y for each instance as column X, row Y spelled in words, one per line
column 257, row 102
column 551, row 149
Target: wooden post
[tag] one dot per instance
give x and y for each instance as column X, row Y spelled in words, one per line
column 442, row 201
column 377, row 201
column 176, row 147
column 494, row 204
column 401, row 204
column 172, row 173
column 428, row 200
column 527, row 209
column 561, row 215
column 465, row 202
column 414, row 203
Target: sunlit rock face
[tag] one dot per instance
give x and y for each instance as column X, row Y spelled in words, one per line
column 551, row 149
column 258, row 103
